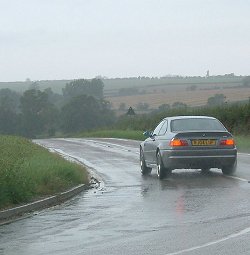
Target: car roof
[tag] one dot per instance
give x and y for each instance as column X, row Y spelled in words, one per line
column 189, row 117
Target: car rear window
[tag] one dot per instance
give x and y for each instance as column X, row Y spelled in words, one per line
column 196, row 124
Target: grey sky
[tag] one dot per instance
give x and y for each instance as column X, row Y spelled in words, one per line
column 67, row 39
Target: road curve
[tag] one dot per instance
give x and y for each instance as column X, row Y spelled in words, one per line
column 187, row 213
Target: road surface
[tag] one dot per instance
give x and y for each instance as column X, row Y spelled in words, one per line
column 187, row 213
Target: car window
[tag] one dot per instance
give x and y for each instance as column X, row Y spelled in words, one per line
column 196, row 124
column 158, row 128
column 163, row 128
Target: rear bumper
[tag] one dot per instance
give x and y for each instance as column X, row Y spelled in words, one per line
column 178, row 159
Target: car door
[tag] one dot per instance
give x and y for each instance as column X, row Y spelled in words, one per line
column 159, row 138
column 150, row 144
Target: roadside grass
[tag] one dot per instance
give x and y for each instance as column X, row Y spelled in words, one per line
column 243, row 142
column 28, row 171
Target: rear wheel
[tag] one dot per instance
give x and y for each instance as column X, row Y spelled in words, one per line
column 228, row 170
column 144, row 169
column 161, row 170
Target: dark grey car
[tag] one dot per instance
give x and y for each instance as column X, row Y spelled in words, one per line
column 188, row 142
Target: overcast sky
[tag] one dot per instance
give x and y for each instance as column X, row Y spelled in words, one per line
column 69, row 39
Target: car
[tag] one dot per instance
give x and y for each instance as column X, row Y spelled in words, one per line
column 188, row 142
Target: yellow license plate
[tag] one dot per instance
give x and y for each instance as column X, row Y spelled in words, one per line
column 206, row 142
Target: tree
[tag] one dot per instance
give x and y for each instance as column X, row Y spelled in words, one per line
column 179, row 105
column 85, row 113
column 76, row 88
column 54, row 98
column 35, row 109
column 34, row 85
column 164, row 107
column 50, row 119
column 9, row 107
column 9, row 100
column 218, row 99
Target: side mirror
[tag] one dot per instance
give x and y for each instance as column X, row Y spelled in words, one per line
column 148, row 134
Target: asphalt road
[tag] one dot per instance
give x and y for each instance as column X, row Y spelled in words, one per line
column 187, row 213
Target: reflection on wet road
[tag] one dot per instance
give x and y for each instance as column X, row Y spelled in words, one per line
column 187, row 213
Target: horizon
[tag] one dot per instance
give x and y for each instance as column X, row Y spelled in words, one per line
column 228, row 75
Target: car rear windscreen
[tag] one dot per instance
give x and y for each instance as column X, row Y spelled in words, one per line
column 196, row 124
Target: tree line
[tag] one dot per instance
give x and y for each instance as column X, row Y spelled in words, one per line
column 34, row 113
column 81, row 107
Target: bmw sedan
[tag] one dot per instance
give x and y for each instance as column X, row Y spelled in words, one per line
column 188, row 142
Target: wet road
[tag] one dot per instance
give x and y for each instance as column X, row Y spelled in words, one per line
column 187, row 213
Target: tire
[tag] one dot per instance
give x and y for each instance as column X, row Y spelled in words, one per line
column 228, row 170
column 161, row 170
column 144, row 169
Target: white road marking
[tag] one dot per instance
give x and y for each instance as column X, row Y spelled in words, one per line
column 236, row 178
column 242, row 232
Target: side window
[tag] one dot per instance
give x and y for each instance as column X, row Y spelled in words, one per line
column 158, row 128
column 163, row 128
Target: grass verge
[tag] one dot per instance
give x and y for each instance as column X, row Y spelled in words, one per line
column 243, row 143
column 28, row 171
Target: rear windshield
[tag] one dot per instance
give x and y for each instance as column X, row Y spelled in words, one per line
column 196, row 124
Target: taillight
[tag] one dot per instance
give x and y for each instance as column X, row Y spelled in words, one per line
column 178, row 142
column 227, row 142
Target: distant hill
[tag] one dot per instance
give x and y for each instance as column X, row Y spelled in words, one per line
column 118, row 83
column 21, row 86
column 113, row 85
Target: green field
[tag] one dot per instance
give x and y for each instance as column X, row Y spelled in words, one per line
column 28, row 172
